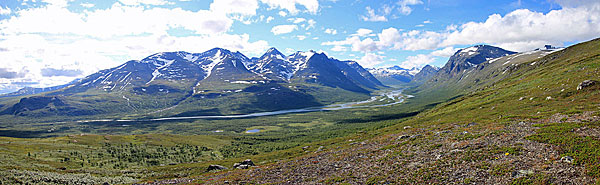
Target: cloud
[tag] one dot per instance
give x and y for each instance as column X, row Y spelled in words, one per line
column 372, row 17
column 524, row 29
column 576, row 3
column 311, row 24
column 416, row 61
column 389, row 37
column 297, row 20
column 269, row 19
column 446, row 52
column 5, row 11
column 144, row 2
column 405, row 5
column 370, row 60
column 282, row 29
column 56, row 3
column 301, row 37
column 289, row 50
column 339, row 48
column 49, row 72
column 330, row 31
column 427, row 22
column 241, row 7
column 87, row 5
column 311, row 6
column 8, row 74
column 49, row 44
column 282, row 13
column 361, row 32
column 117, row 20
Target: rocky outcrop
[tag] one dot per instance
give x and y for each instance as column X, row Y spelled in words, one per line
column 214, row 167
column 586, row 84
column 244, row 164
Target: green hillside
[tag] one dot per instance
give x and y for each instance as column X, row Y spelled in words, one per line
column 530, row 126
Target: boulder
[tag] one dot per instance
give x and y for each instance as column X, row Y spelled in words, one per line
column 403, row 137
column 248, row 162
column 586, row 84
column 215, row 167
column 244, row 164
column 567, row 159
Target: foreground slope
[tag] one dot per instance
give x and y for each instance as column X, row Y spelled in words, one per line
column 535, row 125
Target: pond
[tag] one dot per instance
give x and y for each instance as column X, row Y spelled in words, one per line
column 253, row 131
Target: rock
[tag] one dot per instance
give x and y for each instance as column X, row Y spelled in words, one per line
column 415, row 136
column 567, row 159
column 215, row 167
column 522, row 173
column 471, row 124
column 586, row 84
column 248, row 162
column 243, row 166
column 320, row 149
column 404, row 137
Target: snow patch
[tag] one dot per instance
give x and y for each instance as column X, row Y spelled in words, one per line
column 215, row 60
column 241, row 82
column 495, row 59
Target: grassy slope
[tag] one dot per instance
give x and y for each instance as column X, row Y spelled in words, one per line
column 498, row 134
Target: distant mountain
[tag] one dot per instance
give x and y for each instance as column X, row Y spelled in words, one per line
column 33, row 90
column 394, row 75
column 217, row 81
column 425, row 74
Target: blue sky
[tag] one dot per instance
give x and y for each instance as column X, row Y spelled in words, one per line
column 51, row 42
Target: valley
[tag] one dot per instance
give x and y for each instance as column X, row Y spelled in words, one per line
column 490, row 115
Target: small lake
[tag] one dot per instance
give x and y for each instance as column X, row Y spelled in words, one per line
column 253, row 131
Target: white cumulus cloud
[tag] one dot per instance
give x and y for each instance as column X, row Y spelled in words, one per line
column 446, row 52
column 371, row 16
column 405, row 5
column 416, row 61
column 331, row 31
column 370, row 60
column 142, row 2
column 242, row 7
column 282, row 29
column 5, row 11
column 311, row 6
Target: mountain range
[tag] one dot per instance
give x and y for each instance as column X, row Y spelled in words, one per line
column 220, row 82
column 214, row 82
column 397, row 75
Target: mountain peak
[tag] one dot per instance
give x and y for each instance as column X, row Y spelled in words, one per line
column 273, row 53
column 468, row 57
